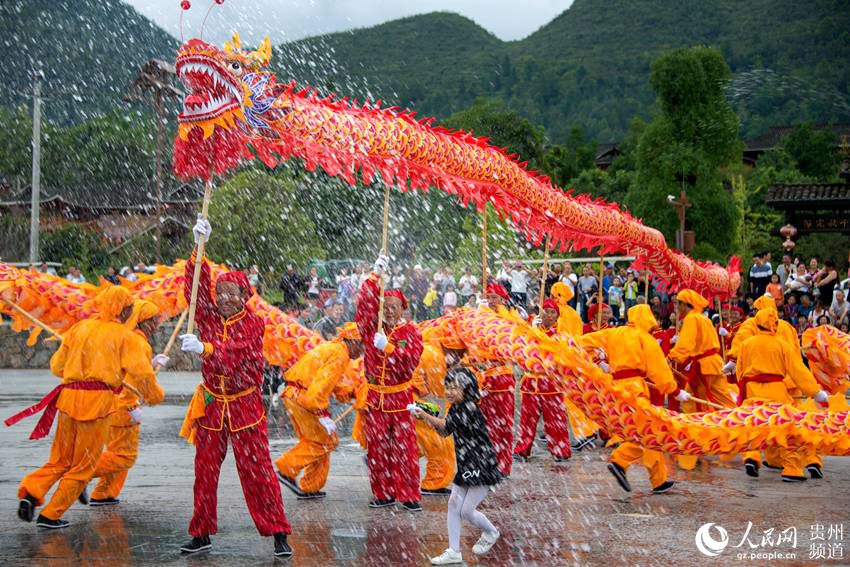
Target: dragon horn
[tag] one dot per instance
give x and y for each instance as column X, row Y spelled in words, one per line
column 263, row 54
column 234, row 45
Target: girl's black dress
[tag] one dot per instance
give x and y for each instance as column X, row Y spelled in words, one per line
column 475, row 458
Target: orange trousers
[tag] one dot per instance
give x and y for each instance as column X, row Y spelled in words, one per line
column 628, row 453
column 114, row 464
column 439, row 453
column 77, row 446
column 312, row 453
column 716, row 389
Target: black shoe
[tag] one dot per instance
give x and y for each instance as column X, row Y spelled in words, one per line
column 109, row 501
column 412, row 506
column 379, row 503
column 83, row 498
column 663, row 487
column 43, row 522
column 436, row 491
column 311, row 495
column 767, row 465
column 584, row 443
column 541, row 437
column 562, row 459
column 620, row 474
column 815, row 471
column 789, row 478
column 281, row 547
column 752, row 468
column 289, row 483
column 197, row 544
column 520, row 458
column 26, row 509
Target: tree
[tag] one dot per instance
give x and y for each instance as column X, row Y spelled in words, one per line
column 692, row 137
column 256, row 219
column 815, row 152
column 563, row 162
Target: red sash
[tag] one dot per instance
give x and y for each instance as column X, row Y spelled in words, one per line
column 48, row 404
column 758, row 379
column 627, row 373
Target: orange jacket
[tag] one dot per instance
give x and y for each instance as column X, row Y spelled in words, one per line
column 697, row 337
column 317, row 375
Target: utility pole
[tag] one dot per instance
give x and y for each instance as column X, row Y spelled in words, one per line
column 36, row 168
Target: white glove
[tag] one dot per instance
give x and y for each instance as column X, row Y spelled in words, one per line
column 537, row 321
column 729, row 368
column 191, row 344
column 414, row 410
column 328, row 424
column 380, row 341
column 136, row 415
column 688, row 367
column 600, row 354
column 202, row 227
column 159, row 361
column 723, row 332
column 482, row 303
column 674, row 339
column 822, row 399
column 275, row 400
column 683, row 396
column 381, row 264
column 660, row 341
column 603, row 366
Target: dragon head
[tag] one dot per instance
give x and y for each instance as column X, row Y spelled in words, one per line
column 214, row 80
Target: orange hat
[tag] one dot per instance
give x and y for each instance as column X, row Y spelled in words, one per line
column 142, row 311
column 110, row 302
column 765, row 302
column 349, row 332
column 561, row 292
column 767, row 320
column 641, row 316
column 693, row 299
column 497, row 289
column 550, row 304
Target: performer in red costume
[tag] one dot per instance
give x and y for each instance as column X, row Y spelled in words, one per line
column 543, row 395
column 496, row 382
column 391, row 355
column 228, row 404
column 592, row 312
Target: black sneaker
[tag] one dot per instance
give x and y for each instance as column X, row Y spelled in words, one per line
column 83, row 498
column 767, row 465
column 197, row 544
column 562, row 459
column 790, row 478
column 379, row 503
column 663, row 487
column 584, row 443
column 815, row 471
column 412, row 506
column 26, row 509
column 43, row 522
column 520, row 458
column 109, row 501
column 281, row 547
column 311, row 495
column 436, row 491
column 289, row 483
column 752, row 468
column 620, row 474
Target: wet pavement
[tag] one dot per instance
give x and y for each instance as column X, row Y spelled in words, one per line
column 564, row 514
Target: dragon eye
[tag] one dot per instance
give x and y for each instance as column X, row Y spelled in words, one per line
column 235, row 66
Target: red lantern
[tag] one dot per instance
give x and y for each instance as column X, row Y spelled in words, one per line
column 788, row 231
column 185, row 4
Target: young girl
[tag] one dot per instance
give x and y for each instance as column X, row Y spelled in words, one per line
column 615, row 298
column 774, row 288
column 477, row 469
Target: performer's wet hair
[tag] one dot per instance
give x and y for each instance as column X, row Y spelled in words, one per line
column 466, row 381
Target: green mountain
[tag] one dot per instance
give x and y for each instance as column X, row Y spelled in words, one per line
column 88, row 50
column 587, row 67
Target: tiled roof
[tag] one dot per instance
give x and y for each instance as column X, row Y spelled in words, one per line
column 827, row 192
column 116, row 196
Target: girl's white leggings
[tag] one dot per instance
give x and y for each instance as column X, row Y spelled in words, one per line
column 462, row 505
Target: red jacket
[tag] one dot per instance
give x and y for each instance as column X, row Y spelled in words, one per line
column 388, row 375
column 232, row 363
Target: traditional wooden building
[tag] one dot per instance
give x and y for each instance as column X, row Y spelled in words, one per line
column 814, row 207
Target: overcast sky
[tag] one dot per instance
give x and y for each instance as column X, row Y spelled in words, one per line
column 287, row 20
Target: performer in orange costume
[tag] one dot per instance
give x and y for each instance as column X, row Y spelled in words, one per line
column 496, row 382
column 634, row 357
column 765, row 364
column 94, row 357
column 309, row 385
column 123, row 446
column 697, row 354
column 437, row 450
column 228, row 405
column 391, row 355
column 544, row 395
column 570, row 323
